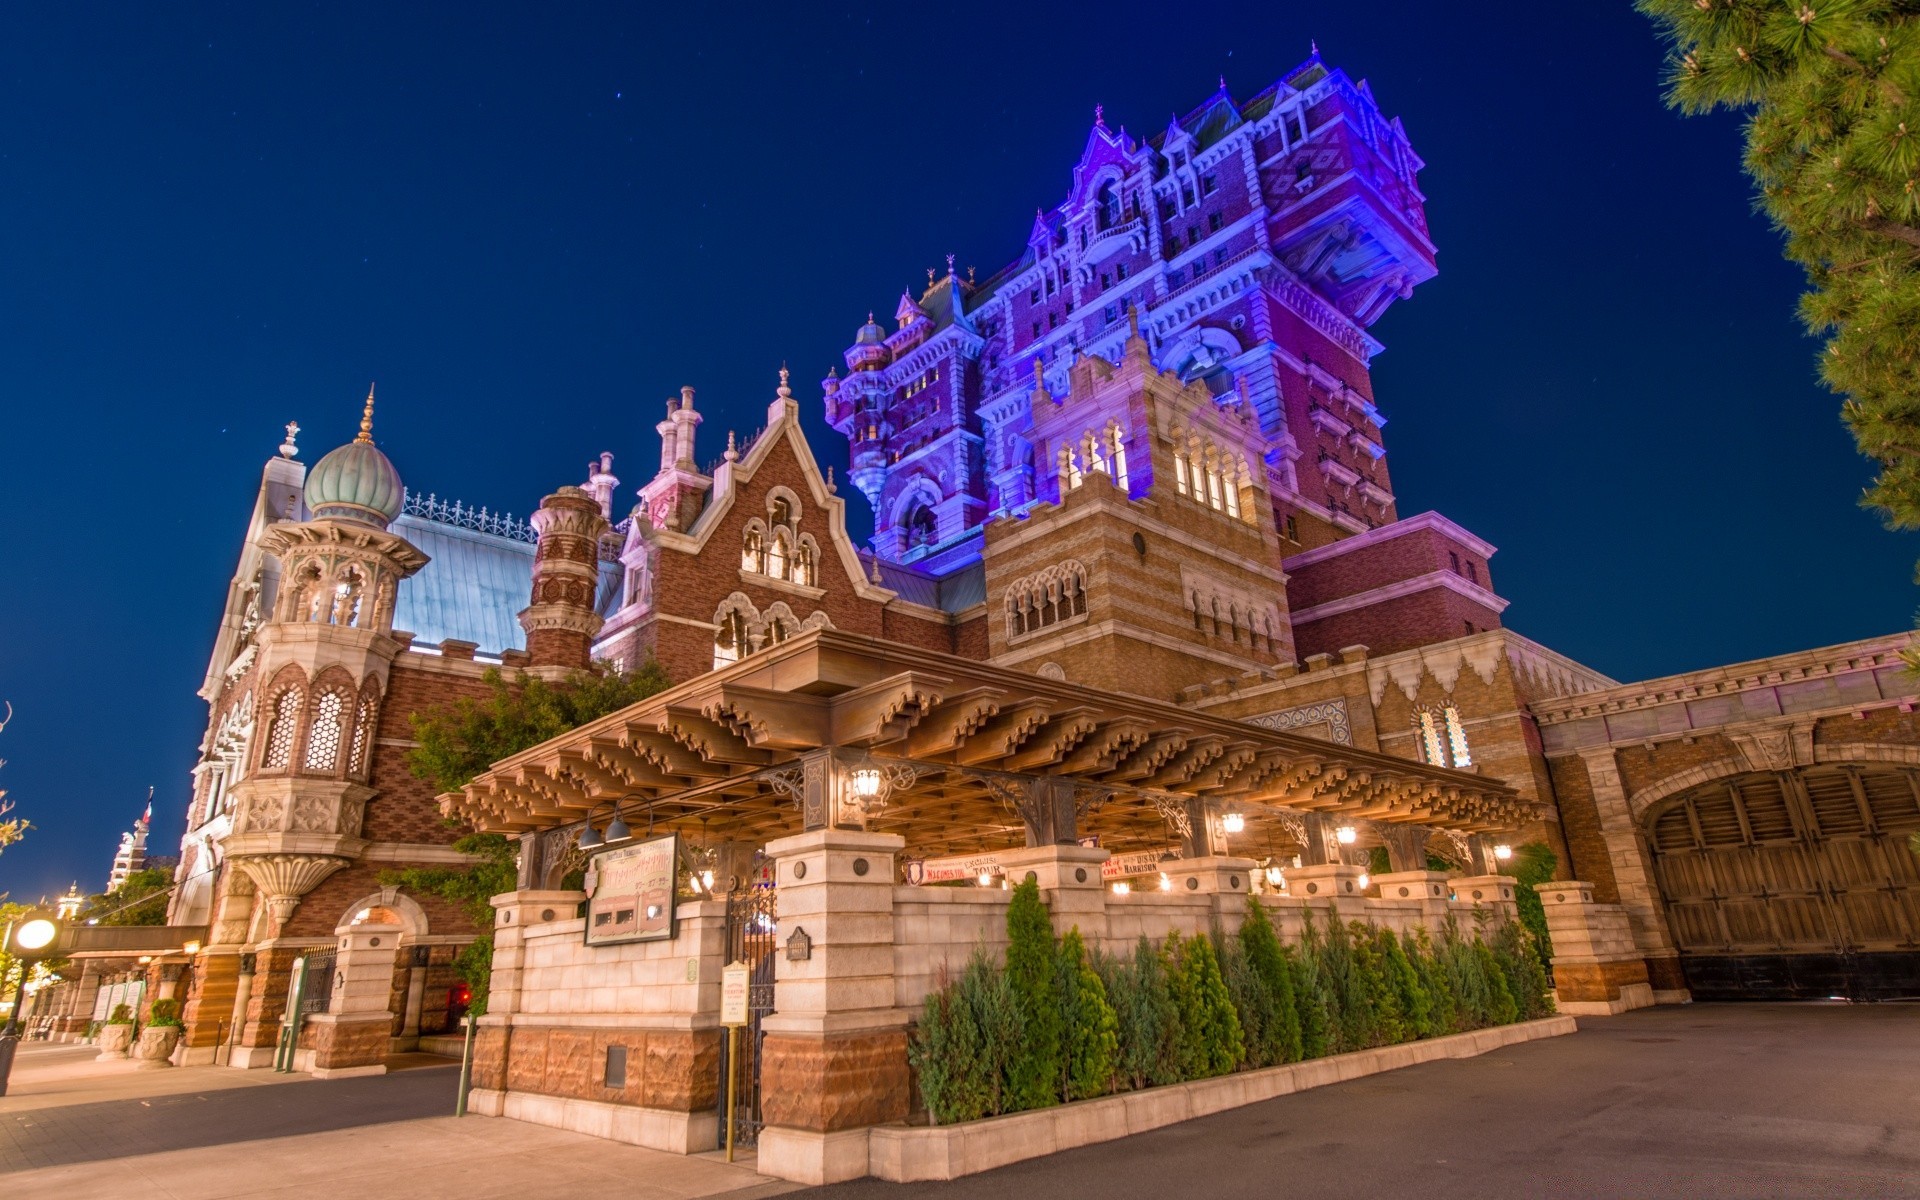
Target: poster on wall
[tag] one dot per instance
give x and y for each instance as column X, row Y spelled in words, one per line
column 630, row 892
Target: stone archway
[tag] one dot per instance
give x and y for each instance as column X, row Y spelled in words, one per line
column 1794, row 882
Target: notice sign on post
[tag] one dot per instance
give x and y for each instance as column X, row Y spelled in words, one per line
column 733, row 994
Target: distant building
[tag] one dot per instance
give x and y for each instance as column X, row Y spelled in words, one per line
column 132, row 854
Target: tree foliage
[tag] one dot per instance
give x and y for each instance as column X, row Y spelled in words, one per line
column 12, row 829
column 141, row 899
column 458, row 741
column 1031, row 971
column 1532, row 865
column 1090, row 1038
column 1831, row 89
column 472, row 887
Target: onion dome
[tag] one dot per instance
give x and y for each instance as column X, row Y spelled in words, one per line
column 356, row 482
column 870, row 334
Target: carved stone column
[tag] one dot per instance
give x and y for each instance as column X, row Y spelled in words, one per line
column 561, row 622
column 352, row 1037
column 1633, row 875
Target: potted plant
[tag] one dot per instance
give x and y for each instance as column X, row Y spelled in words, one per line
column 160, row 1037
column 117, row 1034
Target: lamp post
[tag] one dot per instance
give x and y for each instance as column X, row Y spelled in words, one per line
column 32, row 937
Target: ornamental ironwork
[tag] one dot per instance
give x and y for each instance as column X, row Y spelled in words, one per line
column 451, row 512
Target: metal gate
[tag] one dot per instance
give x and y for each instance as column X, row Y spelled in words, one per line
column 1794, row 884
column 316, row 990
column 750, row 939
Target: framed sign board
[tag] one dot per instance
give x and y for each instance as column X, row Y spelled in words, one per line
column 630, row 892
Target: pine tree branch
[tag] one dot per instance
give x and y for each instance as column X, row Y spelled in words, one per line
column 1891, row 229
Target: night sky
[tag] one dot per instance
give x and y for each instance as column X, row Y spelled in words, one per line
column 532, row 225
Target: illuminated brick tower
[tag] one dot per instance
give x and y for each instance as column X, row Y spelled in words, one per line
column 1257, row 239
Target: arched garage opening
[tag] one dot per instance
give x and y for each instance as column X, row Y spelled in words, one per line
column 1797, row 884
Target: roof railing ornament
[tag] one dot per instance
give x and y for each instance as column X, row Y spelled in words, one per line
column 366, row 420
column 287, row 448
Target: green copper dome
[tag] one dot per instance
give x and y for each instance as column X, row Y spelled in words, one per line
column 356, row 482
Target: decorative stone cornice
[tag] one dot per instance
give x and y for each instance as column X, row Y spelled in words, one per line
column 285, row 878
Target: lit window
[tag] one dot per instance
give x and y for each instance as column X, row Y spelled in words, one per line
column 730, row 640
column 1442, row 736
column 286, row 715
column 1457, row 738
column 323, row 740
column 362, row 737
column 1118, row 443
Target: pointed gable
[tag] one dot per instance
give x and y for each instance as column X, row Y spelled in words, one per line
column 1104, row 148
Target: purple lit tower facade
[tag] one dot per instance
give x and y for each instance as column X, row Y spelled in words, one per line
column 1257, row 241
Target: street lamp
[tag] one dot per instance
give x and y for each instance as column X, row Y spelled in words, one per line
column 33, row 936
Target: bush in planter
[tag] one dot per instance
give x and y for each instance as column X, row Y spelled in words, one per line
column 121, row 1015
column 1032, row 974
column 1148, row 1054
column 1515, row 948
column 1092, row 1034
column 165, row 1014
column 1209, row 1034
column 1443, row 1010
column 1385, row 1018
column 1502, row 1009
column 1403, row 980
column 962, row 1049
column 1318, row 1027
column 1262, row 982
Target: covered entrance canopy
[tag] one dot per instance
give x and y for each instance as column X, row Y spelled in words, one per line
column 839, row 729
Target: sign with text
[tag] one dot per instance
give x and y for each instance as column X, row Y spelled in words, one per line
column 630, row 892
column 734, row 979
column 972, row 866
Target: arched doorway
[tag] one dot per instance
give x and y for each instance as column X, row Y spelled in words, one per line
column 1795, row 884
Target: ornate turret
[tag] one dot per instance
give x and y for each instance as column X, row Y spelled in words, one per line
column 561, row 622
column 674, row 496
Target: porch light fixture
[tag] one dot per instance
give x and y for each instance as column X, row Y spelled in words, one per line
column 1166, row 882
column 36, row 933
column 190, row 949
column 871, row 784
column 1346, row 835
column 1233, row 822
column 1364, row 880
column 617, row 830
column 986, row 879
column 1121, row 889
column 1503, row 852
column 1276, row 877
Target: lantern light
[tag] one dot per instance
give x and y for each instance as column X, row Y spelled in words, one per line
column 706, row 881
column 34, row 934
column 589, row 838
column 1365, row 879
column 1233, row 822
column 617, row 830
column 1503, row 852
column 191, row 948
column 865, row 782
column 1121, row 889
column 986, row 879
column 1276, row 877
column 1346, row 835
column 1166, row 882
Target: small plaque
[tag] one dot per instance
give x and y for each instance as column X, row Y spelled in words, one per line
column 733, row 994
column 799, row 946
column 693, row 970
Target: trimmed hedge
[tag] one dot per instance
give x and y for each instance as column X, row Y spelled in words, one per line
column 1057, row 1024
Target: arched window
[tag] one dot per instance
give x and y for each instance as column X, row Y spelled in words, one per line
column 1182, row 469
column 1214, row 496
column 323, row 736
column 803, row 563
column 920, row 526
column 1442, row 736
column 1232, row 488
column 363, row 723
column 752, row 548
column 730, row 640
column 349, row 589
column 1108, row 200
column 285, row 722
column 777, row 555
column 782, row 512
column 1117, row 448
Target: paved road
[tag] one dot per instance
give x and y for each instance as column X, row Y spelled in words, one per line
column 1702, row 1102
column 188, row 1119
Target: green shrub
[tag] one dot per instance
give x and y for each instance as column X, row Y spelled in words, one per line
column 1443, row 1010
column 1403, row 981
column 1278, row 1038
column 1502, row 1008
column 1532, row 865
column 1092, row 1029
column 1210, row 1038
column 961, row 1048
column 1031, row 972
column 165, row 1014
column 1318, row 1025
column 121, row 1015
column 1466, row 978
column 1519, row 957
column 1386, row 1022
column 1137, row 987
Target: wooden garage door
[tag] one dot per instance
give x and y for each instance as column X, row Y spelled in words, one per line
column 1794, row 883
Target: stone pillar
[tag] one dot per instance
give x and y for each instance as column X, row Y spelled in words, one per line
column 1598, row 969
column 417, row 959
column 1069, row 880
column 1335, row 885
column 86, row 993
column 1633, row 875
column 493, row 1036
column 561, row 621
column 352, row 1037
column 1227, row 881
column 1425, row 890
column 1491, row 894
column 835, row 1052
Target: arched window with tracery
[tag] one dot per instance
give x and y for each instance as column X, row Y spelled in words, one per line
column 323, row 735
column 777, row 555
column 753, row 550
column 805, row 555
column 730, row 643
column 349, row 592
column 1442, row 736
column 1045, row 598
column 363, row 725
column 281, row 728
column 306, row 593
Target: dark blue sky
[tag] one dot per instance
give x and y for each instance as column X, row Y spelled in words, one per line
column 532, row 225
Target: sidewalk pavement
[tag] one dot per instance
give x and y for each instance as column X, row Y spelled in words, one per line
column 72, row 1127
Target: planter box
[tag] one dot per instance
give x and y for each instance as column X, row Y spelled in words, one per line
column 906, row 1154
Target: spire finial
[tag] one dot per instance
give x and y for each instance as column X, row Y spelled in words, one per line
column 1100, row 115
column 949, row 264
column 366, row 420
column 732, row 454
column 287, row 448
column 1133, row 320
column 832, row 488
column 784, row 390
column 1223, row 83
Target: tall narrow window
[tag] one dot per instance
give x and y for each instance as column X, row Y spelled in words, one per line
column 730, row 640
column 750, row 552
column 1118, row 441
column 363, row 723
column 1214, row 496
column 1431, row 748
column 777, row 556
column 1457, row 738
column 286, row 716
column 1181, row 483
column 323, row 739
